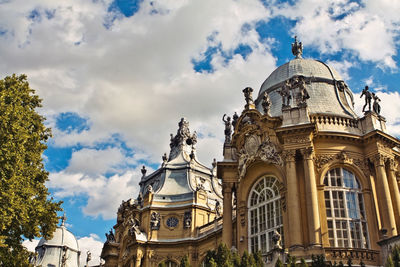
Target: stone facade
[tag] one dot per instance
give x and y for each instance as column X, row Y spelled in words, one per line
column 305, row 166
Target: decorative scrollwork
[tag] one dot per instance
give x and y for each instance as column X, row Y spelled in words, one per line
column 266, row 151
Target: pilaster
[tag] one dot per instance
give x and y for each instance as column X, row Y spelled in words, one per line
column 385, row 201
column 293, row 201
column 394, row 190
column 314, row 225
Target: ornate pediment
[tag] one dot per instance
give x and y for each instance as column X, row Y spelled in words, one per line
column 255, row 149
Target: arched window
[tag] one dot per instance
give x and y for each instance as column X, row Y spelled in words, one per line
column 347, row 224
column 265, row 214
column 168, row 263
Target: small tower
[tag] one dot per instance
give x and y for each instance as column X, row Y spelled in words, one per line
column 60, row 251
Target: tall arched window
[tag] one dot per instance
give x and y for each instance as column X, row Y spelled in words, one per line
column 265, row 214
column 168, row 263
column 347, row 224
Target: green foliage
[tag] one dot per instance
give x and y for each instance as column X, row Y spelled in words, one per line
column 26, row 209
column 162, row 264
column 318, row 261
column 236, row 259
column 258, row 259
column 396, row 256
column 393, row 259
column 184, row 262
column 303, row 263
column 389, row 262
column 290, row 261
column 212, row 263
column 247, row 260
column 226, row 258
column 279, row 263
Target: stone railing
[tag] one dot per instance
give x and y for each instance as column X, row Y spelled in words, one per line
column 326, row 122
column 356, row 255
column 209, row 227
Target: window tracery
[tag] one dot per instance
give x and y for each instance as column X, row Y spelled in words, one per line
column 265, row 214
column 345, row 211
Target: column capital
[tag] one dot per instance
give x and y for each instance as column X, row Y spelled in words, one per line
column 227, row 187
column 378, row 160
column 393, row 165
column 289, row 155
column 308, row 152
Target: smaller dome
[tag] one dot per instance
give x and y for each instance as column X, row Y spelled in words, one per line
column 61, row 250
column 61, row 238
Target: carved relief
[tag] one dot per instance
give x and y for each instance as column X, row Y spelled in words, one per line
column 289, row 155
column 363, row 165
column 266, row 151
column 242, row 213
column 155, row 220
column 297, row 140
column 187, row 219
column 393, row 165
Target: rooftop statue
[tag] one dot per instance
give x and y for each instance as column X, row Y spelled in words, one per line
column 228, row 128
column 285, row 93
column 297, row 48
column 248, row 95
column 368, row 98
column 266, row 103
column 300, row 82
column 376, row 106
column 235, row 117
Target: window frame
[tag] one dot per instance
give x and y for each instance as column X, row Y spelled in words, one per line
column 261, row 229
column 345, row 215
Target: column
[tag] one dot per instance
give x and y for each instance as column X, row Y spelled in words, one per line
column 314, row 225
column 394, row 190
column 227, row 215
column 293, row 201
column 386, row 207
column 138, row 260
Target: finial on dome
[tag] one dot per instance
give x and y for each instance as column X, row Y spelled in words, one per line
column 297, row 48
column 63, row 219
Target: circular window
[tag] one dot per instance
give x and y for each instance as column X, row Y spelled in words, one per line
column 172, row 222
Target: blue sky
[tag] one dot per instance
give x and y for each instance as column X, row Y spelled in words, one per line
column 117, row 76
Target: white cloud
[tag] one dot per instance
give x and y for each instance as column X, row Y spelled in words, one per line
column 342, row 67
column 104, row 194
column 93, row 161
column 93, row 244
column 30, row 245
column 332, row 26
column 135, row 78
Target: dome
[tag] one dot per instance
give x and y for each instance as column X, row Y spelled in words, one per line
column 61, row 238
column 326, row 88
column 61, row 250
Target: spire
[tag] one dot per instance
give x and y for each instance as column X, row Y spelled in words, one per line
column 182, row 141
column 63, row 219
column 297, row 48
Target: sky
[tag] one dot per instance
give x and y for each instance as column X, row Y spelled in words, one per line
column 116, row 77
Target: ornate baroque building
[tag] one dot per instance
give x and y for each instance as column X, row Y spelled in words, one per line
column 297, row 161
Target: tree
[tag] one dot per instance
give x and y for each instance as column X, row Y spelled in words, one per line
column 279, row 263
column 26, row 209
column 291, row 261
column 223, row 257
column 303, row 263
column 184, row 262
column 258, row 259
